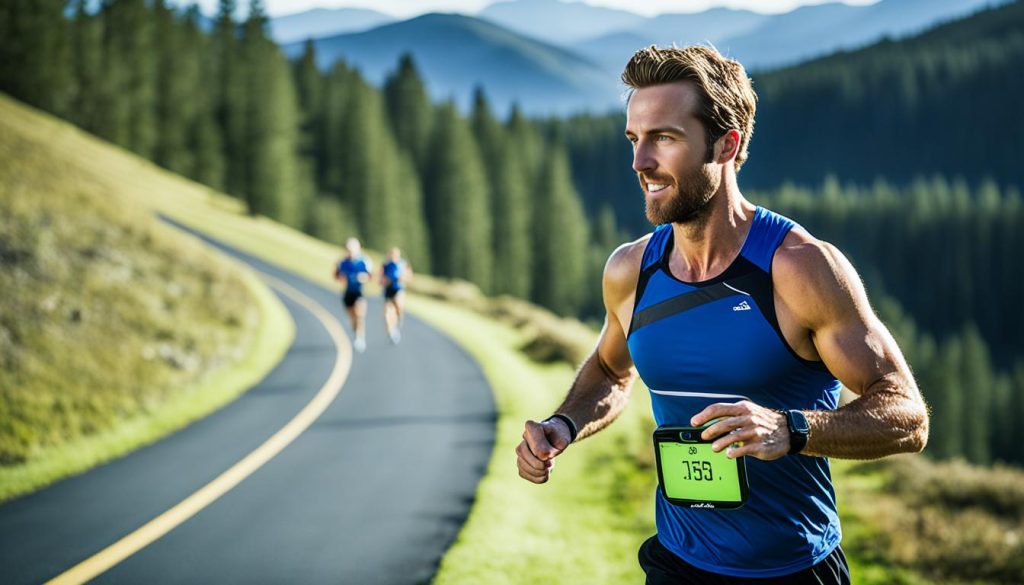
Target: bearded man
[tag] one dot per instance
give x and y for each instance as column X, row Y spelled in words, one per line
column 743, row 326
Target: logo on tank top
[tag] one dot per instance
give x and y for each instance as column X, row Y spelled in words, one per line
column 742, row 307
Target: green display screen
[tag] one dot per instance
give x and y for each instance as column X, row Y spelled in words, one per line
column 692, row 471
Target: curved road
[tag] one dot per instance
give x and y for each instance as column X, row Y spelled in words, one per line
column 374, row 491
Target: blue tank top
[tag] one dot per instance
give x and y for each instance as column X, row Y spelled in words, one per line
column 352, row 268
column 695, row 344
column 393, row 271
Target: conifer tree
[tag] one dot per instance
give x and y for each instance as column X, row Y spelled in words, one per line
column 340, row 85
column 512, row 205
column 1017, row 411
column 130, row 54
column 412, row 233
column 560, row 235
column 205, row 141
column 272, row 184
column 510, row 202
column 948, row 398
column 310, row 86
column 409, row 110
column 976, row 384
column 605, row 239
column 457, row 203
column 177, row 83
column 489, row 134
column 35, row 64
column 231, row 97
column 86, row 46
column 527, row 144
column 371, row 171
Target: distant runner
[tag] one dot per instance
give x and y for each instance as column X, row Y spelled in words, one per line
column 393, row 276
column 354, row 270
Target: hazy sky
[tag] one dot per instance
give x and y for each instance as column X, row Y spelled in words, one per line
column 407, row 8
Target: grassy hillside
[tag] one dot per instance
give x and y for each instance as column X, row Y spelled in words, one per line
column 113, row 329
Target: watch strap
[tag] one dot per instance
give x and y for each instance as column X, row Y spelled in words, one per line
column 797, row 435
column 573, row 431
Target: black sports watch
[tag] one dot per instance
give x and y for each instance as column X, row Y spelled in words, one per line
column 798, row 430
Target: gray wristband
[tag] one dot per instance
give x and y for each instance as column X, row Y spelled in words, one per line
column 573, row 431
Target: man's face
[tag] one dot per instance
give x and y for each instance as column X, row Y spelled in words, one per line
column 669, row 153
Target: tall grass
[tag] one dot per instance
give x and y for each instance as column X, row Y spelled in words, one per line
column 950, row 522
column 106, row 317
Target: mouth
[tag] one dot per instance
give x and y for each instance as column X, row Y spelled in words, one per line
column 654, row 187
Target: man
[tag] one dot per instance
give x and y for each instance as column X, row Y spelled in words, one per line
column 733, row 314
column 393, row 275
column 353, row 270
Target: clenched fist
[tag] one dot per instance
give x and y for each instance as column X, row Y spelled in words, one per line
column 542, row 442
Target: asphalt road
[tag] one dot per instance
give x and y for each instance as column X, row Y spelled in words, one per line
column 374, row 491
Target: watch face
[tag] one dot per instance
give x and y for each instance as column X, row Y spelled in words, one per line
column 799, row 421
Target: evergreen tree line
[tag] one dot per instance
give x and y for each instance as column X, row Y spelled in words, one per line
column 946, row 99
column 476, row 197
column 942, row 266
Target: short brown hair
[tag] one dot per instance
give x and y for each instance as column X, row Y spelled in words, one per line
column 727, row 98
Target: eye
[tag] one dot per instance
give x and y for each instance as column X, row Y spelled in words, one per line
column 663, row 138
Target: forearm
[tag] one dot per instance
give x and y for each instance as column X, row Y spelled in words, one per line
column 887, row 419
column 597, row 396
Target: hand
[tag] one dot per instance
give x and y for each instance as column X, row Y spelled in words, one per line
column 542, row 442
column 762, row 432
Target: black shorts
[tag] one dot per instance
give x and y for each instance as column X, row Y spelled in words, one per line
column 350, row 297
column 665, row 568
column 391, row 291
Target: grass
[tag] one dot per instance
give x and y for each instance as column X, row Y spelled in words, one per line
column 919, row 521
column 114, row 330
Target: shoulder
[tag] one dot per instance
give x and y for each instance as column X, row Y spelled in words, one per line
column 623, row 268
column 816, row 279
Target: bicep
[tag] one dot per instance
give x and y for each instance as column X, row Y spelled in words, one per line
column 852, row 341
column 612, row 349
column 860, row 351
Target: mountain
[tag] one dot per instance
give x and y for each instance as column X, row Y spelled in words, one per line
column 759, row 41
column 813, row 31
column 560, row 23
column 456, row 53
column 613, row 50
column 321, row 22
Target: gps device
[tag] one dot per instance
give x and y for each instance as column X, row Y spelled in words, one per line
column 690, row 474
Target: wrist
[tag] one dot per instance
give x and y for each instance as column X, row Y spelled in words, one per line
column 569, row 423
column 799, row 430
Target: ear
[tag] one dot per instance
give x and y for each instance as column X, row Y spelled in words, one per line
column 728, row 146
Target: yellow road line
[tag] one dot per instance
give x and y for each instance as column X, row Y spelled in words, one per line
column 190, row 506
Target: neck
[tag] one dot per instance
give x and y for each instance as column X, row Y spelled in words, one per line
column 705, row 247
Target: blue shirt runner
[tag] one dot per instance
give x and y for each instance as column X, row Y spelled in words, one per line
column 352, row 268
column 695, row 344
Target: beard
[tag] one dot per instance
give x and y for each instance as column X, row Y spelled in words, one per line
column 690, row 204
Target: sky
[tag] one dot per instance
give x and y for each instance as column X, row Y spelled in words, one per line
column 409, row 8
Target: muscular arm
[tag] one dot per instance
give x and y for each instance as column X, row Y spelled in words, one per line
column 890, row 416
column 819, row 286
column 601, row 389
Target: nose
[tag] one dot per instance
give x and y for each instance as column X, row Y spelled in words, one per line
column 642, row 159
